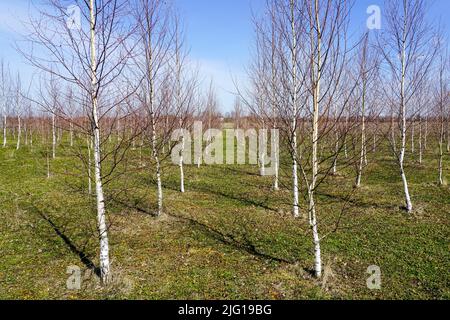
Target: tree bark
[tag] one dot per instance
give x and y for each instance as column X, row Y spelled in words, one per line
column 101, row 212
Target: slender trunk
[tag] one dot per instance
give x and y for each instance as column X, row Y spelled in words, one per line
column 345, row 138
column 316, row 239
column 420, row 141
column 363, row 134
column 53, row 136
column 4, row 130
column 179, row 105
column 295, row 212
column 441, row 153
column 262, row 154
column 89, row 147
column 276, row 166
column 274, row 115
column 153, row 137
column 442, row 104
column 101, row 214
column 19, row 131
column 403, row 126
column 412, row 136
column 71, row 134
column 158, row 171
column 181, row 163
column 316, row 76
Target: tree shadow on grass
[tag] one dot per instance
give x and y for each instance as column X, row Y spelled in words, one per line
column 244, row 245
column 80, row 253
column 228, row 239
column 126, row 204
column 357, row 203
column 207, row 189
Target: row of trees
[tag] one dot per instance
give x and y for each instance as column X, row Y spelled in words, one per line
column 123, row 80
column 320, row 86
column 120, row 77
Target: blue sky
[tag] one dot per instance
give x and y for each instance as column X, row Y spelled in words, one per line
column 219, row 34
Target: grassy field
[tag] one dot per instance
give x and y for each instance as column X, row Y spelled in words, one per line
column 228, row 237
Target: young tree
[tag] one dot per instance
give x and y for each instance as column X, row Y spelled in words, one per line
column 91, row 56
column 442, row 101
column 186, row 86
column 367, row 65
column 18, row 108
column 406, row 48
column 326, row 56
column 166, row 93
column 5, row 92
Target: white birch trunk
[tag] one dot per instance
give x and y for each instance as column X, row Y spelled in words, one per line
column 71, row 134
column 420, row 141
column 403, row 127
column 158, row 174
column 53, row 136
column 89, row 172
column 363, row 129
column 19, row 131
column 295, row 210
column 262, row 155
column 4, row 130
column 181, row 163
column 101, row 214
column 276, row 166
column 274, row 115
column 181, row 167
column 153, row 128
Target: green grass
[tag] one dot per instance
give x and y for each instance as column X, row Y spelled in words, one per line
column 228, row 237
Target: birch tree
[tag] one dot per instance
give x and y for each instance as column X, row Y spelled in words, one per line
column 406, row 48
column 186, row 87
column 90, row 54
column 368, row 66
column 18, row 108
column 165, row 92
column 442, row 101
column 326, row 55
column 5, row 97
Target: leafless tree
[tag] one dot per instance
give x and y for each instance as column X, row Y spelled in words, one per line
column 91, row 56
column 407, row 50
